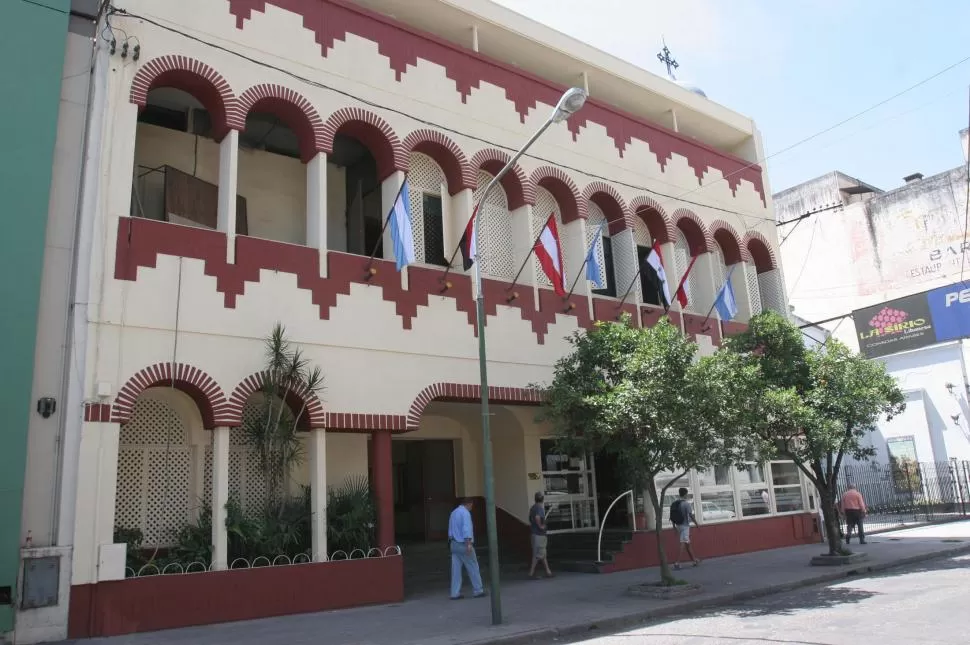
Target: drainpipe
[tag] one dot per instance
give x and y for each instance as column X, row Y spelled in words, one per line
column 76, row 332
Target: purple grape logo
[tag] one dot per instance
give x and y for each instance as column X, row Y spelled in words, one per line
column 888, row 318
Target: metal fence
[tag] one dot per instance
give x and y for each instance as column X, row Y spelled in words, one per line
column 906, row 492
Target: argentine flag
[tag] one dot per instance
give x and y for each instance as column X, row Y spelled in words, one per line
column 594, row 273
column 401, row 234
column 726, row 305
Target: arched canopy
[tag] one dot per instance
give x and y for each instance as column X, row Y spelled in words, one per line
column 760, row 251
column 694, row 231
column 727, row 240
column 373, row 132
column 612, row 205
column 562, row 187
column 514, row 183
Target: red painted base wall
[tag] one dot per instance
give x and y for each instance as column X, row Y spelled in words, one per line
column 165, row 602
column 716, row 540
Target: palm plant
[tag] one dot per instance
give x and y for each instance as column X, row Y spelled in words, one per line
column 272, row 433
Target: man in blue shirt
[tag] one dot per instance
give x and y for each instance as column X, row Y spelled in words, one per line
column 461, row 540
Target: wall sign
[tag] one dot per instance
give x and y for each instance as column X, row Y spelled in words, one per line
column 915, row 321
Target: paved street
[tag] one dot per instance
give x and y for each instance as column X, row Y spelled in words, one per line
column 912, row 605
column 536, row 611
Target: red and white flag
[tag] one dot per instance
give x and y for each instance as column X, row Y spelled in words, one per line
column 548, row 250
column 681, row 294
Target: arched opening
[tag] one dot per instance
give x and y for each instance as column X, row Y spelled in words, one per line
column 764, row 278
column 727, row 254
column 164, row 464
column 362, row 157
column 428, row 188
column 277, row 142
column 690, row 241
column 495, row 244
column 649, row 227
column 597, row 224
column 177, row 140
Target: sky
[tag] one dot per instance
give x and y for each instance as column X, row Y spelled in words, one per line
column 798, row 67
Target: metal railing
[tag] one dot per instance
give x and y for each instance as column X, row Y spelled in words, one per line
column 904, row 493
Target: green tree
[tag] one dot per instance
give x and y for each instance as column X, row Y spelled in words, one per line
column 813, row 407
column 640, row 394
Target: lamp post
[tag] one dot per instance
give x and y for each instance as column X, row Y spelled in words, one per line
column 569, row 103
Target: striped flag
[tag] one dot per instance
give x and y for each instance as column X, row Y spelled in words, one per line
column 549, row 253
column 469, row 242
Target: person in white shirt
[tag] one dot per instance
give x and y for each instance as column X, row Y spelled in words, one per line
column 461, row 541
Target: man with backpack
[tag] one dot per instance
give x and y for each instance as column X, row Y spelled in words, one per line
column 681, row 515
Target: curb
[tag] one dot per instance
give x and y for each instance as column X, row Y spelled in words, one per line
column 608, row 625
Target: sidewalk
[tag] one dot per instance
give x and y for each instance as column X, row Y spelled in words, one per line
column 566, row 605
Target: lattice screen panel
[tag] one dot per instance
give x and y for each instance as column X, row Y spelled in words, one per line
column 545, row 204
column 129, row 502
column 154, row 486
column 772, row 292
column 593, row 222
column 681, row 262
column 425, row 178
column 641, row 233
column 754, row 288
column 496, row 244
column 625, row 266
column 169, row 496
column 207, row 477
column 247, row 482
column 236, row 458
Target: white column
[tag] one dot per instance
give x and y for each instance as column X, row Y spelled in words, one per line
column 741, row 296
column 97, row 484
column 318, row 493
column 390, row 187
column 522, row 239
column 673, row 277
column 703, row 282
column 316, row 207
column 574, row 248
column 228, row 180
column 220, row 497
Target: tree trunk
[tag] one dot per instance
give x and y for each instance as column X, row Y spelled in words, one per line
column 658, row 526
column 832, row 521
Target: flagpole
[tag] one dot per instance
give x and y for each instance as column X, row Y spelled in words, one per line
column 528, row 256
column 444, row 277
column 371, row 271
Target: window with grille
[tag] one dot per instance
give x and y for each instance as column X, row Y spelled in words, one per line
column 604, row 251
column 754, row 289
column 495, row 242
column 682, row 259
column 434, row 236
column 651, row 296
column 425, row 181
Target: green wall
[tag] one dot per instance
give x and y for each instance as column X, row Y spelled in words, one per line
column 33, row 53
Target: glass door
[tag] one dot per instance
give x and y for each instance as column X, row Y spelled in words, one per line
column 569, row 484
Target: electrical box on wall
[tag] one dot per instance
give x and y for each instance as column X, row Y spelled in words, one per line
column 41, row 579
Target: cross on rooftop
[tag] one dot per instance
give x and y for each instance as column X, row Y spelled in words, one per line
column 665, row 58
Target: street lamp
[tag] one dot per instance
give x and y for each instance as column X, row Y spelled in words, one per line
column 568, row 104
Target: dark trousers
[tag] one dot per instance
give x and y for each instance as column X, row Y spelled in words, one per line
column 854, row 518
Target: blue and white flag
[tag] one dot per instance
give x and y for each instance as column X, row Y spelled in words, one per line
column 726, row 305
column 594, row 273
column 401, row 234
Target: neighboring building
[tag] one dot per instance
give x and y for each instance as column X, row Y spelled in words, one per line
column 862, row 249
column 48, row 55
column 241, row 178
column 812, row 335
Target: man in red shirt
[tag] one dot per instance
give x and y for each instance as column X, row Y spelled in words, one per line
column 854, row 509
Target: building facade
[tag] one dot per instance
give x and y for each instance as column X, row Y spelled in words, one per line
column 242, row 158
column 850, row 246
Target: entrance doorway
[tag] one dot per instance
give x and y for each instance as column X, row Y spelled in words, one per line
column 610, row 484
column 570, row 489
column 424, row 489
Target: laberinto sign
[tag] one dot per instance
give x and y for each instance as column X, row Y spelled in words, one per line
column 914, row 321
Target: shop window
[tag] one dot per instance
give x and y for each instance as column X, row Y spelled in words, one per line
column 787, row 487
column 753, row 491
column 717, row 503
